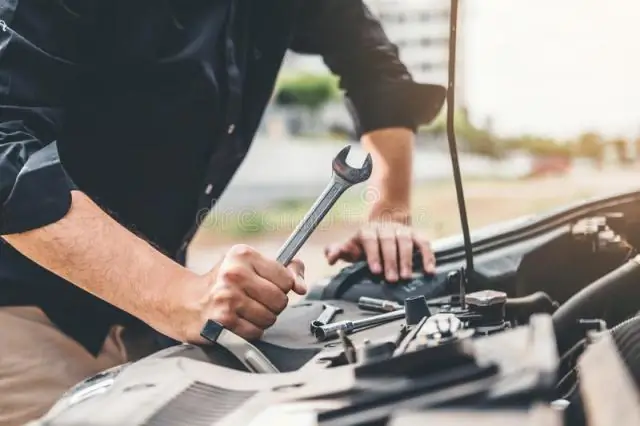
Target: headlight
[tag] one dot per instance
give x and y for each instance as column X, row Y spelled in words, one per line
column 93, row 386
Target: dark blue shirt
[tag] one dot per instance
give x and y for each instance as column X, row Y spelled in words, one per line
column 150, row 106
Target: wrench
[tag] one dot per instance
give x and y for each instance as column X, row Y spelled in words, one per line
column 326, row 316
column 330, row 331
column 343, row 177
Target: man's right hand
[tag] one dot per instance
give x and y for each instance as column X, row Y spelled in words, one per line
column 245, row 293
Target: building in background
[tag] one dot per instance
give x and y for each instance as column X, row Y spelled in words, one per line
column 420, row 29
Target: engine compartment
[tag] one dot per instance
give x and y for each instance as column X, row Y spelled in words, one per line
column 493, row 346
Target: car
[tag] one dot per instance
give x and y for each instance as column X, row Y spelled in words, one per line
column 533, row 321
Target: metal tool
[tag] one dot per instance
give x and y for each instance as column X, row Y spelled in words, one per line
column 330, row 331
column 343, row 177
column 326, row 316
column 249, row 355
column 349, row 348
column 378, row 305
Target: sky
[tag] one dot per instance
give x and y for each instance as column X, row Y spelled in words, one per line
column 553, row 67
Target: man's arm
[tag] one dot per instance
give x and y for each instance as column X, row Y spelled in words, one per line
column 91, row 250
column 46, row 217
column 380, row 90
column 387, row 107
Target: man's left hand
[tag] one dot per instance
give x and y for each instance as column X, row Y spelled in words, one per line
column 387, row 246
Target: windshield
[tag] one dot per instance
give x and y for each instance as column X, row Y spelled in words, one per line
column 547, row 114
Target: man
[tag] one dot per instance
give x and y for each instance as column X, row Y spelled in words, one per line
column 120, row 120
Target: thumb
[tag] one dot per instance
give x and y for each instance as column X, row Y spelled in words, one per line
column 333, row 253
column 297, row 270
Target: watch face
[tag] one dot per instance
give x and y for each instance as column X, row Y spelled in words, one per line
column 486, row 298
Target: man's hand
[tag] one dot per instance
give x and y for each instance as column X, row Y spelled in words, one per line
column 245, row 292
column 387, row 246
column 387, row 240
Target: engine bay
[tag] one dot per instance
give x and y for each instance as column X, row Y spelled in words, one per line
column 459, row 353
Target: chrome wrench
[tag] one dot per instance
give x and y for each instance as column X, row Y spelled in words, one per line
column 343, row 177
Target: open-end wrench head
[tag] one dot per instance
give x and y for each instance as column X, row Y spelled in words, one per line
column 351, row 174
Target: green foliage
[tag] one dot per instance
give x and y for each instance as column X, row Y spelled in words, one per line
column 473, row 139
column 540, row 146
column 308, row 90
column 482, row 141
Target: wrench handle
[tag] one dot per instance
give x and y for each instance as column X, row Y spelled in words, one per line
column 308, row 224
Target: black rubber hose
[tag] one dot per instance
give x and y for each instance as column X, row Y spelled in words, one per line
column 622, row 286
column 627, row 338
column 521, row 308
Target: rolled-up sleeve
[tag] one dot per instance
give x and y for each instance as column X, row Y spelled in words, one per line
column 35, row 189
column 380, row 91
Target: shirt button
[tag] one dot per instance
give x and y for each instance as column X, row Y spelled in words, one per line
column 231, row 129
column 208, row 189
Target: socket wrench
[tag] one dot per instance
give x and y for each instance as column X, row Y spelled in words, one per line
column 326, row 316
column 330, row 331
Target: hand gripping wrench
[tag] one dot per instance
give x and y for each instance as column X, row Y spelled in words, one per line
column 343, row 177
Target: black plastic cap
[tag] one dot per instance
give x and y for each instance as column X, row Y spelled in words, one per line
column 415, row 309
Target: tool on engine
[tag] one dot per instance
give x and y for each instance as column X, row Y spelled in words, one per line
column 456, row 281
column 343, row 177
column 489, row 306
column 328, row 313
column 378, row 305
column 403, row 345
column 245, row 352
column 349, row 348
column 415, row 308
column 330, row 331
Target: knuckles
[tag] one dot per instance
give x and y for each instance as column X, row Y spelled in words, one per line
column 234, row 274
column 242, row 251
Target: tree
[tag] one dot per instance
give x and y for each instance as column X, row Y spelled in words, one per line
column 473, row 139
column 590, row 145
column 307, row 90
column 620, row 146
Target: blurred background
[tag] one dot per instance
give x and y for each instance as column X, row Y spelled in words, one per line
column 547, row 114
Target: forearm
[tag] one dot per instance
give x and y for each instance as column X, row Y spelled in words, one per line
column 392, row 153
column 96, row 253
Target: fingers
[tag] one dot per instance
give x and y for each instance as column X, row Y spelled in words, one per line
column 333, row 253
column 350, row 251
column 369, row 241
column 247, row 330
column 267, row 293
column 269, row 269
column 404, row 239
column 389, row 250
column 428, row 258
column 256, row 313
column 296, row 268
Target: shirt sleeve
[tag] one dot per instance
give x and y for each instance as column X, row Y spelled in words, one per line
column 380, row 91
column 35, row 189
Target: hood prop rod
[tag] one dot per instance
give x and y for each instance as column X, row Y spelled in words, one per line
column 453, row 149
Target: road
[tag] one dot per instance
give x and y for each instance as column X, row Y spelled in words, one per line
column 283, row 170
